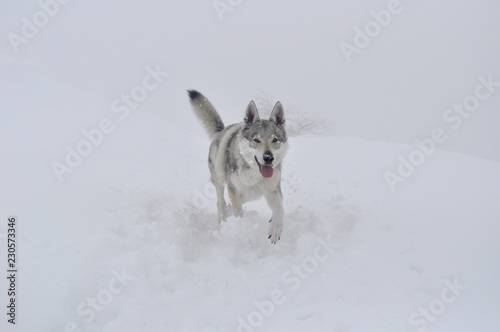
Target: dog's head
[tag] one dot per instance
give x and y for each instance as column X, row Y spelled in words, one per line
column 267, row 139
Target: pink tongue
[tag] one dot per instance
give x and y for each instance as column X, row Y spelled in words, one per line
column 266, row 171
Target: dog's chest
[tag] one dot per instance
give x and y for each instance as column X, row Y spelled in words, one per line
column 247, row 177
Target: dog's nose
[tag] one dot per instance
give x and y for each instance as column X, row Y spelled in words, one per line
column 268, row 158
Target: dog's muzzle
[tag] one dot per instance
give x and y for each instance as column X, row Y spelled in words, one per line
column 266, row 170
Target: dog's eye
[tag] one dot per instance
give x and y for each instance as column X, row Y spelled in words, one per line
column 256, row 140
column 275, row 140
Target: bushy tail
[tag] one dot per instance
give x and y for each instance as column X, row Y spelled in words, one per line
column 206, row 113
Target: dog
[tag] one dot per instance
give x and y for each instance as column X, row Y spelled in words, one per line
column 247, row 156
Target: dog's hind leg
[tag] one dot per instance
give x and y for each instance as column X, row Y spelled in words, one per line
column 235, row 200
column 221, row 202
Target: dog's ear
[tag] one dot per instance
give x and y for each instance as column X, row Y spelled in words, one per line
column 251, row 114
column 278, row 114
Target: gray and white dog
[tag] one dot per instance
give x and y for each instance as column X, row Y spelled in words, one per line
column 247, row 157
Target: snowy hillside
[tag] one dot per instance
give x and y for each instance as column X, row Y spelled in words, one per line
column 354, row 256
column 104, row 168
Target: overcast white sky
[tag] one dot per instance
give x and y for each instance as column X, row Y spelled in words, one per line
column 397, row 88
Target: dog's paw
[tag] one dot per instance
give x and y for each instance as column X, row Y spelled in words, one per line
column 221, row 217
column 275, row 230
column 238, row 211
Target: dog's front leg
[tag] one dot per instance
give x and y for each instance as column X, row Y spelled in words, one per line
column 235, row 200
column 275, row 202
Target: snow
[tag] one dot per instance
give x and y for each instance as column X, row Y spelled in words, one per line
column 133, row 226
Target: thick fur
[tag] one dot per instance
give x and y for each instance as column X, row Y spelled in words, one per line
column 206, row 113
column 238, row 155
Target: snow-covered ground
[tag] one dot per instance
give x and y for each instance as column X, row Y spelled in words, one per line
column 123, row 236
